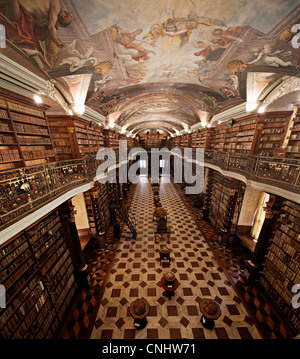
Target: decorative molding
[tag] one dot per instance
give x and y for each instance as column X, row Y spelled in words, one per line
column 234, row 113
column 289, row 84
column 18, row 79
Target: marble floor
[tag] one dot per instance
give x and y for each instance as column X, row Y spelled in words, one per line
column 137, row 271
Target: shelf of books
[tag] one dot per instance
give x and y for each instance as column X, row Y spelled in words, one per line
column 74, row 137
column 282, row 263
column 185, row 141
column 37, row 273
column 273, row 133
column 225, row 197
column 97, row 206
column 244, row 131
column 25, row 138
column 293, row 147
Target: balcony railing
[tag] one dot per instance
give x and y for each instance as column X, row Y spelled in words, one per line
column 279, row 172
column 24, row 190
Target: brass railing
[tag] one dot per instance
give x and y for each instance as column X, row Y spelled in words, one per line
column 24, row 190
column 279, row 172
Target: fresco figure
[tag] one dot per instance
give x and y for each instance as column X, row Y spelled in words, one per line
column 76, row 60
column 268, row 58
column 31, row 22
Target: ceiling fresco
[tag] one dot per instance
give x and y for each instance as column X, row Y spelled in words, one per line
column 165, row 64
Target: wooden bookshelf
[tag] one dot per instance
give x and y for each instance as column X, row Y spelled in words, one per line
column 223, row 199
column 37, row 272
column 74, row 137
column 273, row 133
column 293, row 147
column 97, row 205
column 25, row 139
column 282, row 264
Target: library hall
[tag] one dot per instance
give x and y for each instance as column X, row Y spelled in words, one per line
column 149, row 172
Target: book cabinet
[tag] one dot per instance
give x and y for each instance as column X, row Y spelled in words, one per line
column 282, row 263
column 74, row 137
column 293, row 147
column 25, row 138
column 37, row 273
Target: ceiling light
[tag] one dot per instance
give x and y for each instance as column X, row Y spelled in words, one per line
column 261, row 109
column 251, row 106
column 37, row 99
column 79, row 109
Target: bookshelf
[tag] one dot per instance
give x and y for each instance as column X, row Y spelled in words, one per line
column 74, row 137
column 223, row 199
column 282, row 263
column 293, row 147
column 273, row 133
column 25, row 139
column 97, row 205
column 37, row 272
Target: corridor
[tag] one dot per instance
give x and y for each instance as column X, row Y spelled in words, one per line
column 136, row 272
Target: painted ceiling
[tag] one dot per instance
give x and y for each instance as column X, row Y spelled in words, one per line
column 159, row 64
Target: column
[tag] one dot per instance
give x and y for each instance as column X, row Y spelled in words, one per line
column 81, row 271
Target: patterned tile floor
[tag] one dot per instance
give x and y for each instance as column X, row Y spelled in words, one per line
column 136, row 272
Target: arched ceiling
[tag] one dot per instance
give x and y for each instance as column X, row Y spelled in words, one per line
column 159, row 64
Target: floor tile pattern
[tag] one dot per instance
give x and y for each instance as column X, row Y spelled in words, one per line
column 232, row 259
column 136, row 272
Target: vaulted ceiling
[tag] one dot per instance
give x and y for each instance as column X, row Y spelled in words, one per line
column 162, row 65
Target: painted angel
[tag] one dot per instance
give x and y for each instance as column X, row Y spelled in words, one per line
column 78, row 60
column 268, row 58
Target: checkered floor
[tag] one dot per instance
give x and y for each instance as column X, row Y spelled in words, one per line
column 136, row 272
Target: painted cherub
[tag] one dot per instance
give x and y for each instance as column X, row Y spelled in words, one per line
column 268, row 58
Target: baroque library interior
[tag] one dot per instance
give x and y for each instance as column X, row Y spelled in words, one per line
column 149, row 170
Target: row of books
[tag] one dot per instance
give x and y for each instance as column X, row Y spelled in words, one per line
column 272, row 130
column 6, row 248
column 38, row 153
column 63, row 150
column 20, row 281
column 8, row 268
column 63, row 288
column 286, row 307
column 61, row 142
column 11, row 316
column 7, row 155
column 283, row 296
column 287, row 265
column 4, row 127
column 58, row 270
column 12, row 277
column 34, row 139
column 3, row 113
column 28, row 119
column 291, row 229
column 31, row 129
column 295, row 136
column 43, row 226
column 6, row 139
column 25, row 109
column 293, row 149
column 54, row 255
column 45, row 241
